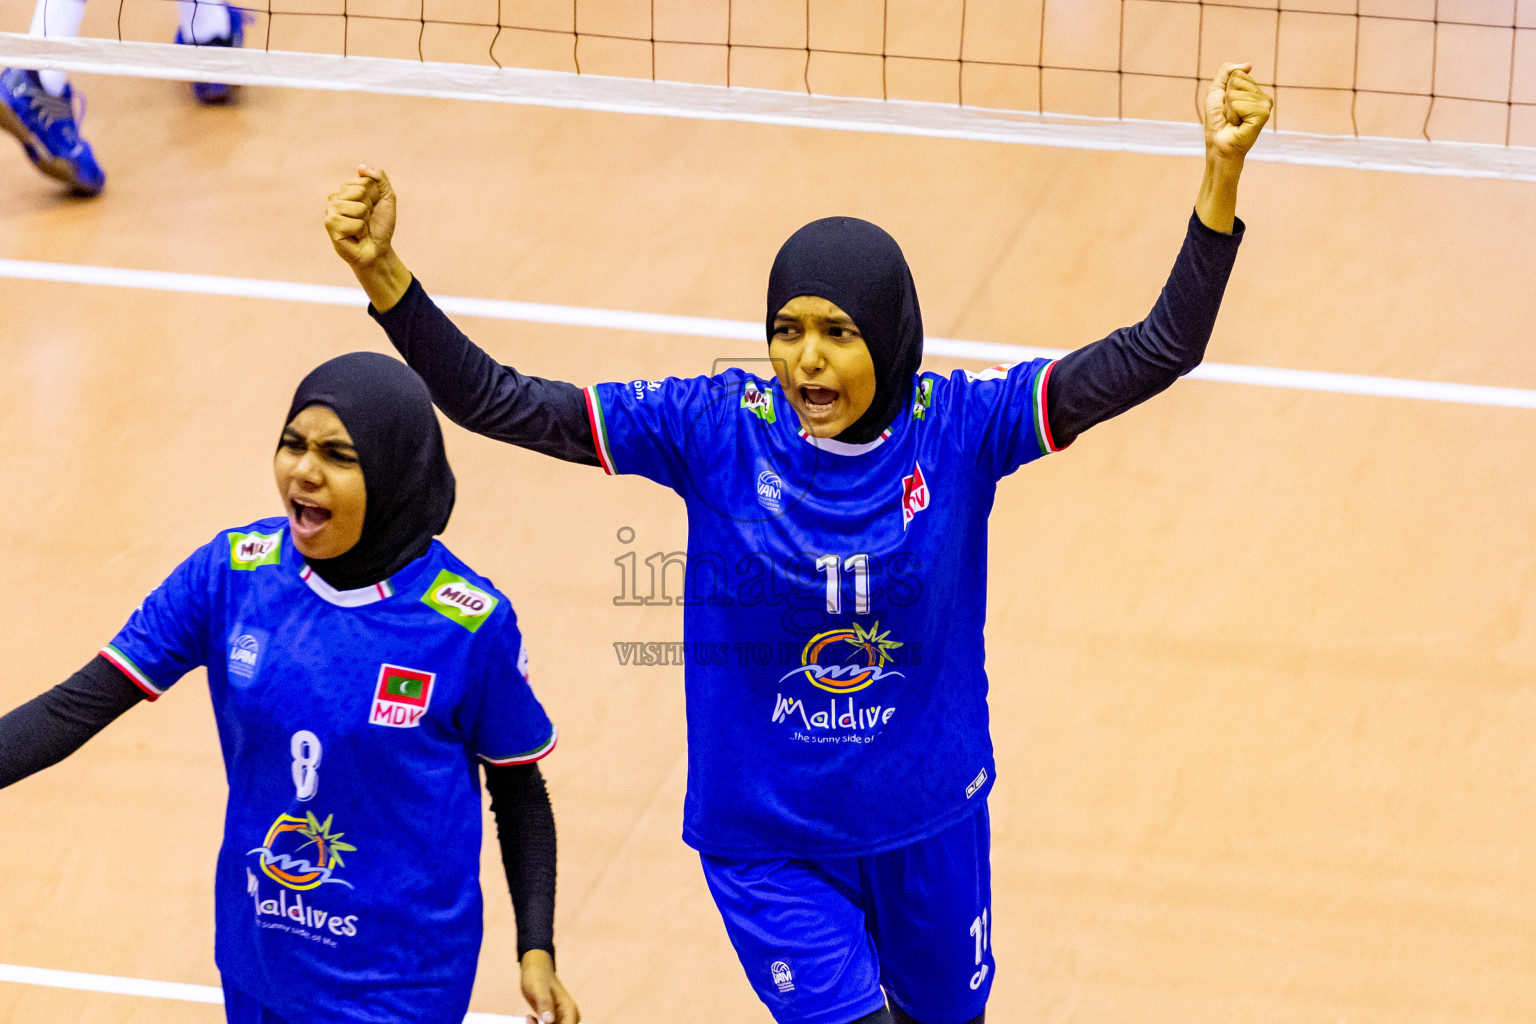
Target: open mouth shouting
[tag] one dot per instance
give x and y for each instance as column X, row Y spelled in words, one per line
column 307, row 517
column 819, row 404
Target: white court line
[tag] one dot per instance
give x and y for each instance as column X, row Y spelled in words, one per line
column 742, row 330
column 563, row 89
column 114, row 985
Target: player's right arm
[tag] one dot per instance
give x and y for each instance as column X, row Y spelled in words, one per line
column 56, row 723
column 162, row 641
column 472, row 389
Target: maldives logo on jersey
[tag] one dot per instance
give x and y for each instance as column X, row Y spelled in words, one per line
column 459, row 600
column 302, row 853
column 402, row 697
column 874, row 645
column 249, row 550
column 915, row 495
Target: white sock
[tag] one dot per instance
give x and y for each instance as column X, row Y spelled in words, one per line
column 203, row 21
column 57, row 18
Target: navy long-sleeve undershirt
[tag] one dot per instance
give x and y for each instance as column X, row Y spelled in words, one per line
column 1088, row 386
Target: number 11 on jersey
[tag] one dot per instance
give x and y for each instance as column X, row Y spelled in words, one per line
column 858, row 565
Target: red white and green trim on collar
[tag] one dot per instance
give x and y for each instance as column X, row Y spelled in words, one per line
column 1037, row 404
column 345, row 598
column 530, row 756
column 599, row 430
column 125, row 665
column 836, row 447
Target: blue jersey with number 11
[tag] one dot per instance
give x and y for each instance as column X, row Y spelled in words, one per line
column 834, row 601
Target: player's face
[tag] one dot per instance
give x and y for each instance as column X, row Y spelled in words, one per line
column 321, row 482
column 823, row 364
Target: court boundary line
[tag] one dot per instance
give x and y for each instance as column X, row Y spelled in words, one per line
column 562, row 89
column 740, row 330
column 113, row 984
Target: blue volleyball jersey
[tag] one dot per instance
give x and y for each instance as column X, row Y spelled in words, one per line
column 834, row 601
column 347, row 886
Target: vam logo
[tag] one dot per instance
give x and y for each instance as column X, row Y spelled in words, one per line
column 770, row 490
column 783, row 977
column 249, row 550
column 459, row 600
column 402, row 697
column 245, row 651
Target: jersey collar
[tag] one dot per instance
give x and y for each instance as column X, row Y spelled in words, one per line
column 345, row 598
column 836, row 447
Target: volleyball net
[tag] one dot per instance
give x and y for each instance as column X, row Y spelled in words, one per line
column 1446, row 86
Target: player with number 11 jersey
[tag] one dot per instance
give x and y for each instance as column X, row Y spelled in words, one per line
column 839, row 758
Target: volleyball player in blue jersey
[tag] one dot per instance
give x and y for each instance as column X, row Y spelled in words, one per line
column 359, row 673
column 839, row 760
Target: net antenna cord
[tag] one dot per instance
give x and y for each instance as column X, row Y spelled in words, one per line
column 560, row 89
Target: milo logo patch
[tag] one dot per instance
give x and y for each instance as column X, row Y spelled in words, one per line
column 459, row 600
column 249, row 550
column 759, row 403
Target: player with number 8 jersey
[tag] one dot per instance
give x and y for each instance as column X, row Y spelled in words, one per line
column 360, row 673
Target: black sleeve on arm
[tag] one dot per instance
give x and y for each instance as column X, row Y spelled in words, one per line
column 480, row 394
column 48, row 728
column 525, row 830
column 1102, row 380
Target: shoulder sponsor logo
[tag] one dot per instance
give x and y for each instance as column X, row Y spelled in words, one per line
column 522, row 661
column 998, row 372
column 783, row 977
column 458, row 599
column 758, row 402
column 249, row 550
column 642, row 388
column 976, row 783
column 401, row 699
column 245, row 647
column 915, row 495
column 922, row 397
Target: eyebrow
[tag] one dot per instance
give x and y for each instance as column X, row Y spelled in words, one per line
column 289, row 434
column 841, row 321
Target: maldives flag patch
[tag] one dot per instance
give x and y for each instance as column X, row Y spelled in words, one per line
column 914, row 495
column 401, row 698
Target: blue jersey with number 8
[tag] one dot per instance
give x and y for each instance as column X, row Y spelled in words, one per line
column 351, row 722
column 834, row 602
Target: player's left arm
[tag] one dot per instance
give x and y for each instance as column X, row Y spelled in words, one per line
column 1104, row 379
column 525, row 831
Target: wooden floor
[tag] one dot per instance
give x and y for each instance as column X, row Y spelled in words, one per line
column 1262, row 660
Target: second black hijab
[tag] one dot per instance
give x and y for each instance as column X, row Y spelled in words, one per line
column 858, row 267
column 388, row 412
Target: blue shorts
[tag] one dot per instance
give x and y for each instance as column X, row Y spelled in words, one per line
column 820, row 939
column 240, row 1008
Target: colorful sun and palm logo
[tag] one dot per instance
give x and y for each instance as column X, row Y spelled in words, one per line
column 874, row 646
column 286, row 855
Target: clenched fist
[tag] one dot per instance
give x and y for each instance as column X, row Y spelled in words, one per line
column 360, row 218
column 1236, row 109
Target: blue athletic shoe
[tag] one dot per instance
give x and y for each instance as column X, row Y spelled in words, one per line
column 48, row 128
column 214, row 94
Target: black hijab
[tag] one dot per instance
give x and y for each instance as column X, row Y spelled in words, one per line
column 388, row 411
column 860, row 268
